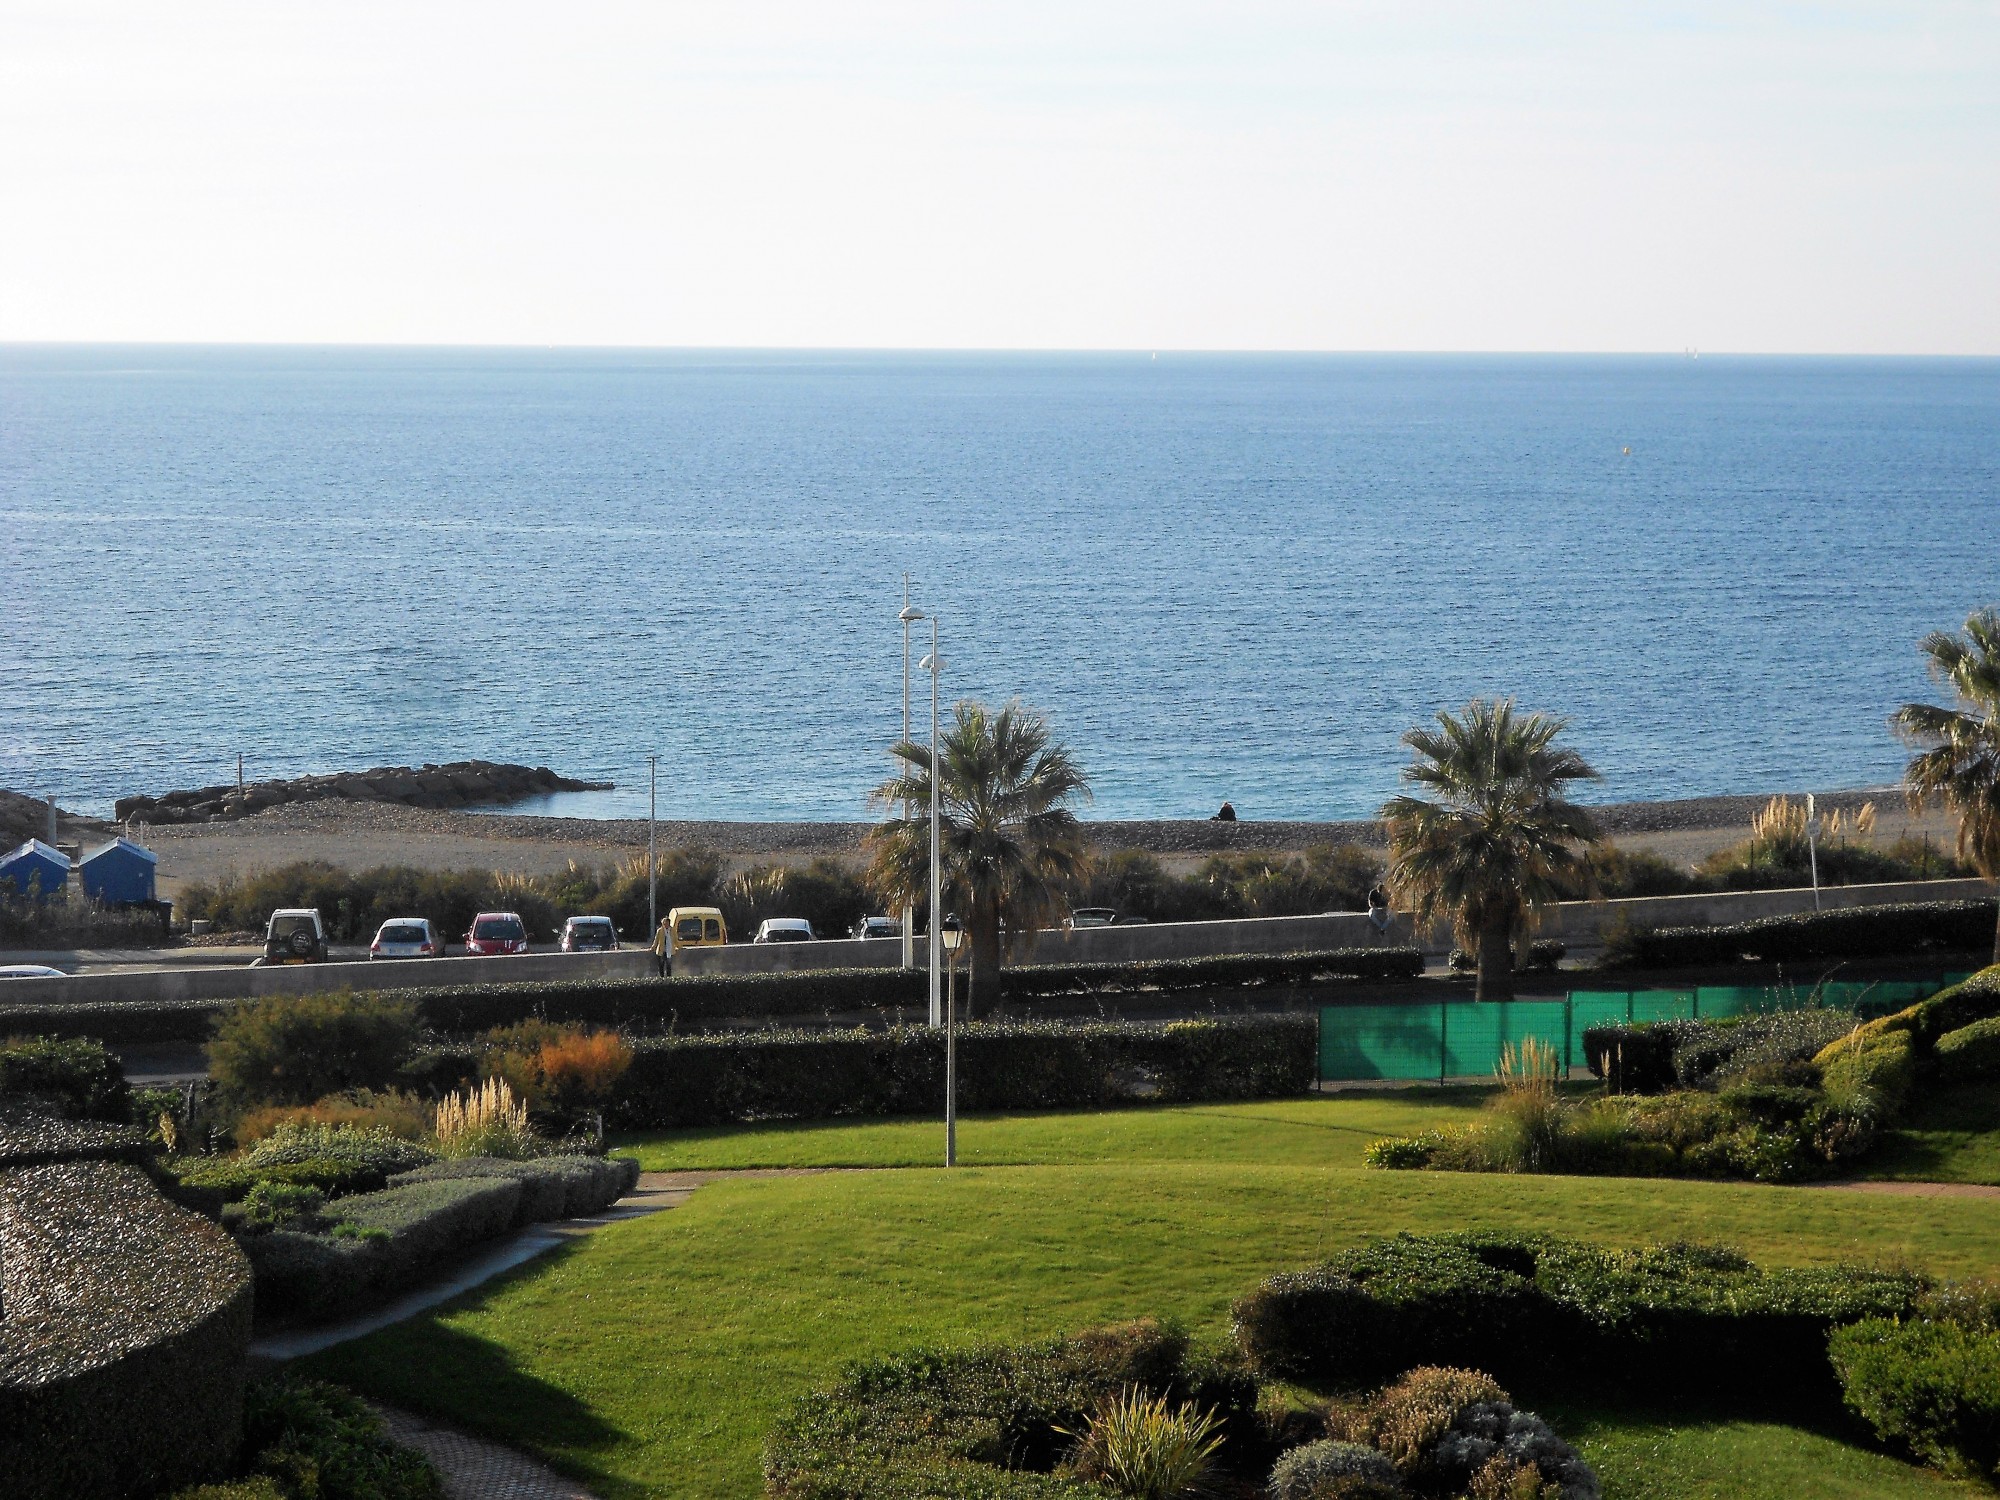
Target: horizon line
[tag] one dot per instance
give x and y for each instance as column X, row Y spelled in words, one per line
column 1691, row 352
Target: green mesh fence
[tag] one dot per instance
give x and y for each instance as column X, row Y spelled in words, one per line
column 1462, row 1039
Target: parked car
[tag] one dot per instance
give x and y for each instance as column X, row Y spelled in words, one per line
column 878, row 927
column 785, row 930
column 589, row 935
column 294, row 935
column 30, row 971
column 1092, row 916
column 696, row 927
column 496, row 932
column 406, row 937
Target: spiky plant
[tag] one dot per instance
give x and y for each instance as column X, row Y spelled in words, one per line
column 1958, row 761
column 1499, row 841
column 1009, row 837
column 1139, row 1446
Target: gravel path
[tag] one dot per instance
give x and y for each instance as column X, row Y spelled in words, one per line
column 474, row 1469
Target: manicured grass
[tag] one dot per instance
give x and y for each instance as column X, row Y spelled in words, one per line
column 1953, row 1135
column 650, row 1359
column 1328, row 1130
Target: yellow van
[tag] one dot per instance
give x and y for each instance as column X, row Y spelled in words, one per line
column 694, row 927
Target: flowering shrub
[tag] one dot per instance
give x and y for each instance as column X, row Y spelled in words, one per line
column 1329, row 1470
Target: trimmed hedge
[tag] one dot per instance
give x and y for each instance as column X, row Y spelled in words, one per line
column 1698, row 1317
column 731, row 997
column 552, row 1187
column 725, row 1077
column 379, row 1243
column 124, row 1326
column 1971, row 1053
column 420, row 1226
column 1933, row 1386
column 988, row 1423
column 78, row 1077
column 1852, row 932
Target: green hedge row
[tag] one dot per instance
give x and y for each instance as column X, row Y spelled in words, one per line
column 380, row 1243
column 810, row 1075
column 1688, row 1317
column 1853, row 932
column 127, row 1323
column 77, row 1077
column 733, row 997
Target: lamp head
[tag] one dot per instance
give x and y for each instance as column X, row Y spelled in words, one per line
column 910, row 613
column 931, row 664
column 951, row 934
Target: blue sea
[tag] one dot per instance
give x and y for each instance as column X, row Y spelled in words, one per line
column 1236, row 577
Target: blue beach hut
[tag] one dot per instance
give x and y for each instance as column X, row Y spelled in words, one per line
column 119, row 874
column 36, row 868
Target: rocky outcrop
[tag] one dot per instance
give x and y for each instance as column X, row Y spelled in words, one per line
column 463, row 783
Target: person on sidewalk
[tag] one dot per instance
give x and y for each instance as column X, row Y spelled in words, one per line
column 663, row 949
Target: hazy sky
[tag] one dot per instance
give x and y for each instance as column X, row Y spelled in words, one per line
column 1393, row 175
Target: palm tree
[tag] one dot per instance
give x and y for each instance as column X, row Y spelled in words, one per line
column 1958, row 763
column 1008, row 837
column 1499, row 842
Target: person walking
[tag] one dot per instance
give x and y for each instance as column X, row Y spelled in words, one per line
column 663, row 948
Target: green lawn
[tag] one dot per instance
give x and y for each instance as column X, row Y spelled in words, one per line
column 650, row 1359
column 1324, row 1131
column 1953, row 1135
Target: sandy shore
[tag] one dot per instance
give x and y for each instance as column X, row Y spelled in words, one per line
column 360, row 835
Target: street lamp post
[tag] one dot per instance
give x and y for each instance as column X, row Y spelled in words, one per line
column 1812, row 845
column 652, row 863
column 934, row 664
column 909, row 616
column 953, row 936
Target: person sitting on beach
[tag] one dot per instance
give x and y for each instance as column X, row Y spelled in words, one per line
column 1226, row 815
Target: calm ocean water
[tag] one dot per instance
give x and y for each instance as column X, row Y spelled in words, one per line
column 1235, row 577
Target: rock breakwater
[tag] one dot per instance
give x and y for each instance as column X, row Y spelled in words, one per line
column 462, row 783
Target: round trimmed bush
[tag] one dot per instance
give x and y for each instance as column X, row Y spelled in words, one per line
column 1333, row 1471
column 1934, row 1386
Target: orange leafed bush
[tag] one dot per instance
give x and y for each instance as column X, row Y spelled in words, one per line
column 579, row 1069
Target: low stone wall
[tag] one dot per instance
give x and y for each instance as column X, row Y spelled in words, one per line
column 124, row 1331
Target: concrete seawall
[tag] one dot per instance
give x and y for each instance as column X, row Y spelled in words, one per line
column 1581, row 924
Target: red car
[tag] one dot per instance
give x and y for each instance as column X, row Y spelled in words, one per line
column 495, row 932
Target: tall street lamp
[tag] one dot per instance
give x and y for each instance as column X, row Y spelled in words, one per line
column 934, row 664
column 954, row 936
column 909, row 616
column 652, row 862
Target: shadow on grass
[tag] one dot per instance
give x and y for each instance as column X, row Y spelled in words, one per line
column 1944, row 1127
column 465, row 1381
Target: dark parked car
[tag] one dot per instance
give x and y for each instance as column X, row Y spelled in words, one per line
column 589, row 935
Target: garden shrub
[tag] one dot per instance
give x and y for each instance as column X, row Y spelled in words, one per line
column 313, row 1441
column 1931, row 1385
column 77, row 1076
column 486, row 1121
column 994, row 1422
column 1637, row 1059
column 395, row 1112
column 560, row 1067
column 1331, row 1470
column 293, row 1049
column 1970, row 1054
column 552, row 1187
column 124, row 1326
column 1852, row 932
column 724, row 1077
column 1142, row 1447
column 1537, row 1307
column 1455, row 1431
column 1870, row 1072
